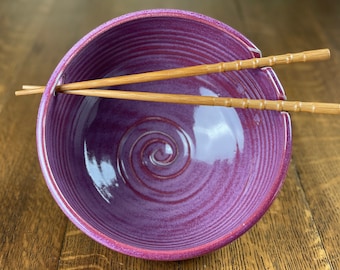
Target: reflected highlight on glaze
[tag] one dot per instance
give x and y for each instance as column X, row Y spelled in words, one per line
column 102, row 173
column 218, row 132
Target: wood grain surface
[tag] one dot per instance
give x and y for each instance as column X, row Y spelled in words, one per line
column 301, row 229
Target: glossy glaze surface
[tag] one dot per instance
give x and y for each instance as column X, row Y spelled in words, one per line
column 163, row 181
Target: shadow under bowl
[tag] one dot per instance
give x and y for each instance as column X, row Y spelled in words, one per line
column 162, row 181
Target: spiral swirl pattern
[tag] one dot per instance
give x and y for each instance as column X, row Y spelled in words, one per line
column 147, row 156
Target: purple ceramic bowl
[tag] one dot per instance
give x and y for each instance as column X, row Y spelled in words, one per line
column 162, row 181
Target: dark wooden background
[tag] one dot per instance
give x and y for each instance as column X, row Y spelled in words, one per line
column 301, row 229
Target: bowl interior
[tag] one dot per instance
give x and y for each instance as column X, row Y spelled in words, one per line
column 163, row 181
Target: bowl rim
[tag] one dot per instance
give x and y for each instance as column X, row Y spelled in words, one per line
column 77, row 219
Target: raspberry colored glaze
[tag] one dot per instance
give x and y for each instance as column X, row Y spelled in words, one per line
column 162, row 181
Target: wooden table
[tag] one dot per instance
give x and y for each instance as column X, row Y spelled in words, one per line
column 300, row 231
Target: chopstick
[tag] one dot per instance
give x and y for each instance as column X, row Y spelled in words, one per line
column 305, row 56
column 243, row 103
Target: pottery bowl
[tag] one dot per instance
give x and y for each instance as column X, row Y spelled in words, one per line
column 162, row 181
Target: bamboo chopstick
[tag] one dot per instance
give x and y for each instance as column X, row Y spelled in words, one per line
column 243, row 103
column 30, row 90
column 306, row 56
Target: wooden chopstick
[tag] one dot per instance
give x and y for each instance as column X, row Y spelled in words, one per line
column 306, row 56
column 243, row 103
